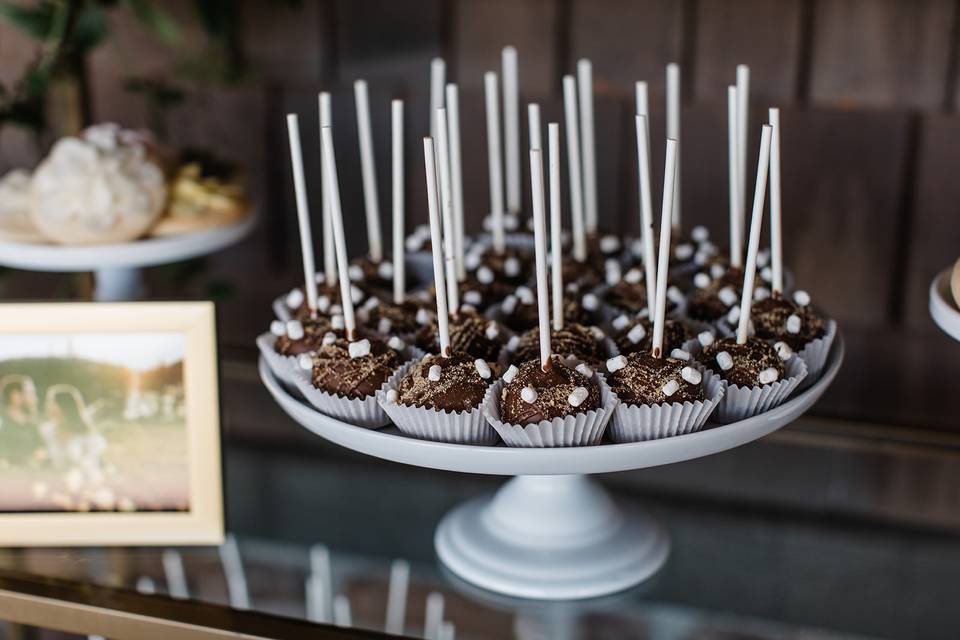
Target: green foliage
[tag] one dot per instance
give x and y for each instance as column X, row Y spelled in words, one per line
column 151, row 14
column 33, row 21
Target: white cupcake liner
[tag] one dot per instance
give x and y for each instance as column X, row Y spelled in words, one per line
column 284, row 367
column 815, row 353
column 460, row 427
column 578, row 430
column 362, row 412
column 635, row 423
column 739, row 403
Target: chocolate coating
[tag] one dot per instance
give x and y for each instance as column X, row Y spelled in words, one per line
column 642, row 381
column 770, row 316
column 553, row 388
column 705, row 304
column 497, row 262
column 313, row 332
column 526, row 315
column 675, row 333
column 402, row 317
column 460, row 387
column 468, row 335
column 574, row 340
column 627, row 296
column 749, row 359
column 336, row 373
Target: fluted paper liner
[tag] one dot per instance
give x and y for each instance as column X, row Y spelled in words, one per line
column 283, row 367
column 815, row 353
column 634, row 423
column 739, row 403
column 578, row 430
column 460, row 427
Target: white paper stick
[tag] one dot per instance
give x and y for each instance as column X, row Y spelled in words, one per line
column 587, row 144
column 540, row 238
column 316, row 601
column 643, row 99
column 776, row 234
column 436, row 244
column 236, row 578
column 573, row 160
column 511, row 126
column 397, row 597
column 396, row 129
column 456, row 174
column 303, row 212
column 340, row 242
column 368, row 170
column 663, row 264
column 494, row 160
column 341, row 612
column 433, row 617
column 733, row 142
column 175, row 575
column 673, row 129
column 320, row 584
column 756, row 223
column 646, row 212
column 533, row 118
column 556, row 224
column 438, row 72
column 448, row 631
column 446, row 212
column 146, row 585
column 743, row 137
column 329, row 252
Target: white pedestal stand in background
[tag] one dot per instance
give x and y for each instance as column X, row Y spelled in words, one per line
column 117, row 267
column 943, row 308
column 551, row 533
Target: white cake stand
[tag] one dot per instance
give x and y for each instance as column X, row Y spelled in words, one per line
column 943, row 308
column 116, row 267
column 551, row 532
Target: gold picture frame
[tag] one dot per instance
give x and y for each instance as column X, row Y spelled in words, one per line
column 201, row 521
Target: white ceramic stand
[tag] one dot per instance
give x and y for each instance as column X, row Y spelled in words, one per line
column 551, row 532
column 943, row 308
column 117, row 267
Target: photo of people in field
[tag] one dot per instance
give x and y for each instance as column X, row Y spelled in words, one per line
column 93, row 422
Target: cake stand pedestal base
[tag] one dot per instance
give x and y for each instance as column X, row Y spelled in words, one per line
column 118, row 284
column 551, row 538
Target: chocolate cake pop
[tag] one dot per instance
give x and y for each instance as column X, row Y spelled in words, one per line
column 581, row 342
column 454, row 383
column 470, row 334
column 640, row 378
column 753, row 363
column 636, row 334
column 533, row 395
column 299, row 336
column 328, row 300
column 793, row 322
column 519, row 311
column 355, row 369
column 388, row 318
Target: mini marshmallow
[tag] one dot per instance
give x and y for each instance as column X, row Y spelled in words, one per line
column 413, row 244
column 675, row 296
column 491, row 331
column 597, row 333
column 766, row 274
column 396, row 344
column 709, row 248
column 510, row 374
column 528, row 395
column 733, row 316
column 637, row 333
column 725, row 361
column 359, row 349
column 793, row 323
column 385, row 270
column 336, row 309
column 705, row 338
column 511, row 267
column 691, row 375
column 356, row 294
column 609, row 244
column 294, row 299
column 393, row 396
column 471, row 261
column 783, row 350
column 355, row 272
column 278, row 328
column 434, row 374
column 423, row 316
column 513, row 343
column 384, row 325
column 371, row 302
column 584, row 370
column 484, row 275
column 323, row 304
column 472, row 297
column 701, row 280
column 636, row 247
column 727, row 296
column 525, row 295
column 612, row 276
column 701, row 258
column 683, row 251
column 363, row 316
column 699, row 233
column 577, row 396
column 801, row 297
column 328, row 338
column 509, row 304
column 680, row 354
column 337, row 322
column 670, row 388
column 761, row 293
column 294, row 330
column 590, row 302
column 616, row 363
column 717, row 271
column 768, row 375
column 620, row 322
column 305, row 361
column 633, row 276
column 482, row 368
column 468, row 308
column 763, row 257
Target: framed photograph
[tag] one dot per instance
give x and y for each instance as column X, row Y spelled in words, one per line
column 109, row 424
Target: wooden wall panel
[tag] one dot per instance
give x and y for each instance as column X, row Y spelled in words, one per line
column 881, row 52
column 935, row 224
column 627, row 41
column 484, row 27
column 287, row 42
column 18, row 148
column 762, row 34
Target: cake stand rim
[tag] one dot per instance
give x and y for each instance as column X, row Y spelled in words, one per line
column 512, row 461
column 943, row 311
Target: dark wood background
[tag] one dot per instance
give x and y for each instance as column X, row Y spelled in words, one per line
column 871, row 141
